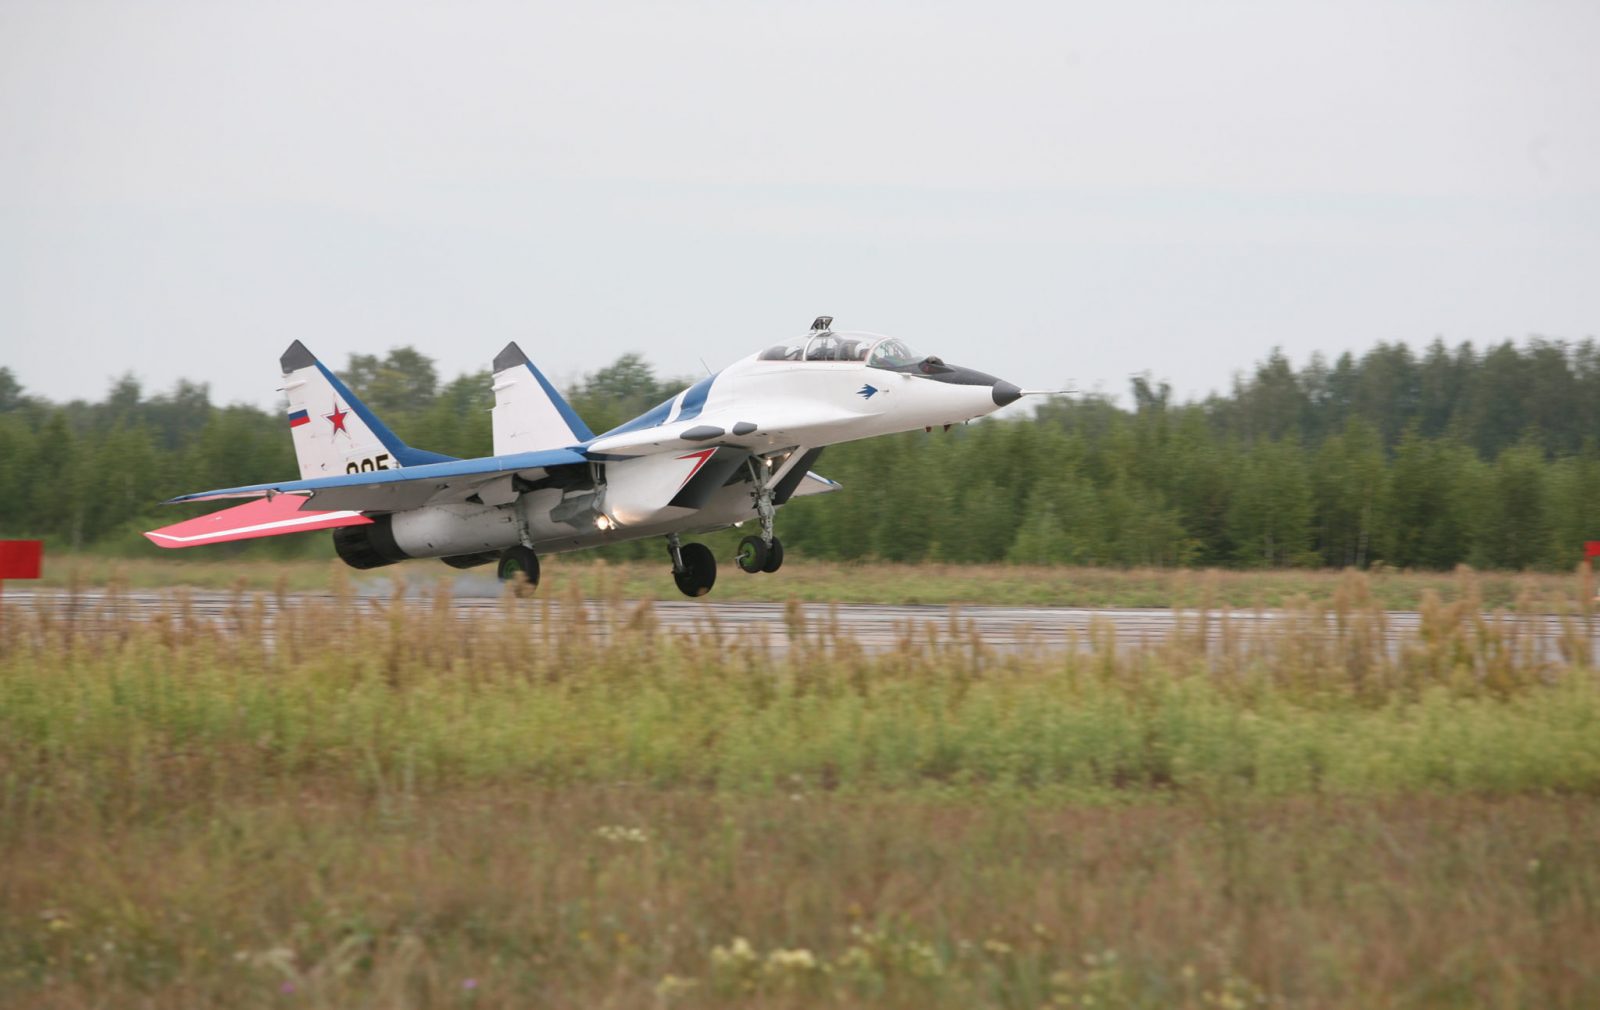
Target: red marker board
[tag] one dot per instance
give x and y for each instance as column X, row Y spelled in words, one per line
column 20, row 559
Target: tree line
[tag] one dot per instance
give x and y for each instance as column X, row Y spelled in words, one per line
column 1429, row 460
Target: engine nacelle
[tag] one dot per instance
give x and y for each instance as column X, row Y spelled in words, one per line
column 433, row 532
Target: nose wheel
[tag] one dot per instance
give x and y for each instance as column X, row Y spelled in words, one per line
column 756, row 555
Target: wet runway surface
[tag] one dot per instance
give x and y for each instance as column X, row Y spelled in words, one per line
column 876, row 627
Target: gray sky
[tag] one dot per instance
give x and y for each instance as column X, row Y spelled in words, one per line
column 1049, row 192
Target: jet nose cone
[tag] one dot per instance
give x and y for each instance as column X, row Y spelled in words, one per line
column 1004, row 393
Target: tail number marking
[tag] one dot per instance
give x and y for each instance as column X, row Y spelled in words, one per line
column 378, row 462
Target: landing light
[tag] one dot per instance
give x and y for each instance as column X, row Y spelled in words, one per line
column 604, row 523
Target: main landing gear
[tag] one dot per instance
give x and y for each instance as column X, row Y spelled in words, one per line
column 693, row 567
column 520, row 566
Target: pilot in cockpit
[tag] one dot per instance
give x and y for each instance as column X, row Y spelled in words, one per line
column 827, row 346
column 824, row 347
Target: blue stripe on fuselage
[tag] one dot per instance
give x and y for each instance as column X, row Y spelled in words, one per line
column 649, row 419
column 694, row 401
column 580, row 431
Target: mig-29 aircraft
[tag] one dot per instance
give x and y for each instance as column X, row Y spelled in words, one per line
column 734, row 446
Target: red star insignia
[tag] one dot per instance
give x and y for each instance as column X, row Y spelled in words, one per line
column 337, row 417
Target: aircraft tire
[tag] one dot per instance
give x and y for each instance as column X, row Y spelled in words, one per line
column 519, row 565
column 752, row 556
column 699, row 570
column 774, row 556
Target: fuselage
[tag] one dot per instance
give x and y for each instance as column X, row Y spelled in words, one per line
column 694, row 463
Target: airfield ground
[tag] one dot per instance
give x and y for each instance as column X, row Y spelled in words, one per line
column 382, row 803
column 834, row 582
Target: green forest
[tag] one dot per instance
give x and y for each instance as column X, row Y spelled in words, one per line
column 1487, row 457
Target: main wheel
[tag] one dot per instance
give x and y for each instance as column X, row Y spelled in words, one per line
column 774, row 556
column 520, row 566
column 699, row 570
column 752, row 556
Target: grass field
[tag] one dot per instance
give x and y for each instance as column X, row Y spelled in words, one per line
column 866, row 582
column 371, row 803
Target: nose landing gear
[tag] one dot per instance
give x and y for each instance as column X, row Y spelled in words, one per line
column 762, row 553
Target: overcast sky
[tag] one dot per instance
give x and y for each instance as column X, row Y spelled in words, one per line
column 1051, row 192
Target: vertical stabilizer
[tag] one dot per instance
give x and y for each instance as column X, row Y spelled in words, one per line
column 529, row 415
column 334, row 432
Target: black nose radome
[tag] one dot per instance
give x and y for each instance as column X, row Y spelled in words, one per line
column 1004, row 393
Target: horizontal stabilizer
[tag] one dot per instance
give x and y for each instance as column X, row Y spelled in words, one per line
column 268, row 517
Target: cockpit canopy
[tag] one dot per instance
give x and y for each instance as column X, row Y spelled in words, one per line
column 877, row 351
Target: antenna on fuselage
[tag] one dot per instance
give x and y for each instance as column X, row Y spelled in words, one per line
column 821, row 324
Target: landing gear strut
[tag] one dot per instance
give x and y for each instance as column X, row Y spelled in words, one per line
column 520, row 566
column 762, row 553
column 694, row 568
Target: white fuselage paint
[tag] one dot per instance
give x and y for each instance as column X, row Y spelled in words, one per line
column 820, row 403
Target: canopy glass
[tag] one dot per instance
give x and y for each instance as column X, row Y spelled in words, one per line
column 877, row 351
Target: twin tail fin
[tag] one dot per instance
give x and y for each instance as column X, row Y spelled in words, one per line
column 529, row 415
column 334, row 432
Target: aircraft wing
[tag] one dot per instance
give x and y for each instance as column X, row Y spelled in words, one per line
column 491, row 480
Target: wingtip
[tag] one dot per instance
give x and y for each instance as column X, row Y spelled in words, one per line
column 298, row 356
column 511, row 357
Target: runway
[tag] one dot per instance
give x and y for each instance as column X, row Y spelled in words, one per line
column 874, row 627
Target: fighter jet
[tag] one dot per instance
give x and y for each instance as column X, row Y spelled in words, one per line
column 732, row 448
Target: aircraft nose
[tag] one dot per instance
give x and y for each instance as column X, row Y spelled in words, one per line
column 1005, row 392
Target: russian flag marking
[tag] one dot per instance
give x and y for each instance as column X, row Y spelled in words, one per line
column 298, row 418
